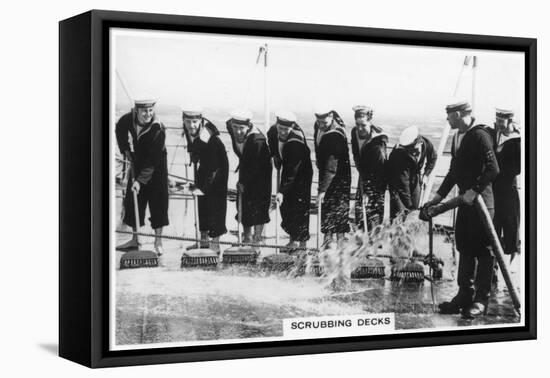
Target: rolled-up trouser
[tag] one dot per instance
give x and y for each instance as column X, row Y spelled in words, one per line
column 212, row 211
column 156, row 196
column 255, row 209
column 295, row 217
column 335, row 211
column 374, row 207
column 507, row 217
column 507, row 228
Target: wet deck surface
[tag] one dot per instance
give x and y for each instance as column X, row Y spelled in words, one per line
column 170, row 304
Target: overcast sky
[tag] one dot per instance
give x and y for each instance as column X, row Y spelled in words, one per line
column 220, row 72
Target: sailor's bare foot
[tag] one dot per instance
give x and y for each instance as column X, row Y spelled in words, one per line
column 215, row 244
column 201, row 245
column 289, row 247
column 159, row 249
column 129, row 245
column 257, row 240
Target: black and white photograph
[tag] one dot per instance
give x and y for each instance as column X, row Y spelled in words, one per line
column 275, row 189
column 268, row 189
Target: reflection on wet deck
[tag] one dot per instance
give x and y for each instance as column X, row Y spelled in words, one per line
column 168, row 304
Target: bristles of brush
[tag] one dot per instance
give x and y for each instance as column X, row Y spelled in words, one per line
column 277, row 267
column 197, row 261
column 246, row 258
column 317, row 270
column 411, row 272
column 278, row 263
column 371, row 268
column 368, row 272
column 138, row 263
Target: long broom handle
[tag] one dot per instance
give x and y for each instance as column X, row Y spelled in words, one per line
column 319, row 206
column 196, row 211
column 364, row 201
column 277, row 210
column 431, row 239
column 497, row 250
column 431, row 256
column 239, row 214
column 136, row 214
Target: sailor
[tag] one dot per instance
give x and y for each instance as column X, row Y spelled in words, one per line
column 332, row 157
column 209, row 158
column 409, row 167
column 294, row 192
column 505, row 187
column 368, row 145
column 274, row 142
column 255, row 169
column 147, row 156
column 473, row 168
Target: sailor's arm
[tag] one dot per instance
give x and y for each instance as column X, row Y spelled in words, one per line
column 401, row 184
column 490, row 166
column 292, row 161
column 448, row 183
column 431, row 158
column 122, row 137
column 490, row 169
column 150, row 161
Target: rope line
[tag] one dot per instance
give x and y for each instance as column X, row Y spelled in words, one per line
column 233, row 244
column 246, row 244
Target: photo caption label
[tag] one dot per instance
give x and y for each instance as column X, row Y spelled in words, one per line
column 338, row 326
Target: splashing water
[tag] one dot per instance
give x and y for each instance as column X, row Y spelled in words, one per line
column 170, row 304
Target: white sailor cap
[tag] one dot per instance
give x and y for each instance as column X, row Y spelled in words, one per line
column 322, row 111
column 460, row 106
column 408, row 136
column 362, row 109
column 506, row 113
column 285, row 118
column 145, row 101
column 190, row 110
column 241, row 116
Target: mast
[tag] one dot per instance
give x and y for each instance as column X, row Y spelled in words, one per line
column 266, row 90
column 474, row 70
column 466, row 64
column 266, row 128
column 426, row 192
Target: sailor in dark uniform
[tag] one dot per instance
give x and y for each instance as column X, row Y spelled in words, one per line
column 473, row 168
column 211, row 166
column 255, row 170
column 505, row 187
column 409, row 167
column 332, row 156
column 273, row 141
column 368, row 145
column 294, row 193
column 147, row 155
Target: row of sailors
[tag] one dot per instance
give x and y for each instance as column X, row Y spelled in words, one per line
column 477, row 152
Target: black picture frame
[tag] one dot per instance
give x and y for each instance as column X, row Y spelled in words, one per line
column 84, row 195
